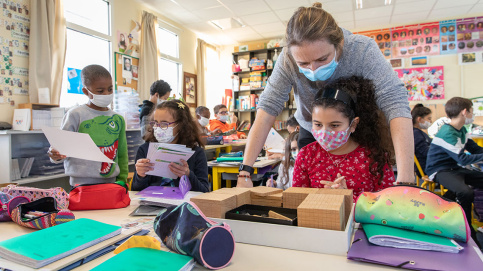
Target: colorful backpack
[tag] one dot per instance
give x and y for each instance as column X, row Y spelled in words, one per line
column 186, row 230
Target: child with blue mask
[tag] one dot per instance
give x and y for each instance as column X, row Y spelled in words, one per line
column 173, row 124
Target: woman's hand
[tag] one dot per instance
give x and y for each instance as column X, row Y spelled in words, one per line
column 180, row 169
column 243, row 181
column 55, row 155
column 143, row 166
column 339, row 183
column 273, row 155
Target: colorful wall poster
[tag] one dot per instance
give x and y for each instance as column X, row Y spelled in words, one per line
column 415, row 40
column 74, row 82
column 382, row 38
column 447, row 35
column 469, row 34
column 423, row 84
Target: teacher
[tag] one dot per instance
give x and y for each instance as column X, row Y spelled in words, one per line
column 318, row 52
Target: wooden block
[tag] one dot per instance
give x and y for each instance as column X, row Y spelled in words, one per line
column 274, row 200
column 293, row 196
column 276, row 215
column 348, row 199
column 264, row 191
column 215, row 204
column 242, row 194
column 322, row 211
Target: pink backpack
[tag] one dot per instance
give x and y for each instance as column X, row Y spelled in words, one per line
column 58, row 193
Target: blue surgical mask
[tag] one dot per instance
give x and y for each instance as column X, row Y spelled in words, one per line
column 322, row 73
column 294, row 154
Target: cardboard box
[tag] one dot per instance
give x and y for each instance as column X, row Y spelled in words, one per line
column 322, row 211
column 264, row 191
column 348, row 198
column 273, row 200
column 290, row 237
column 257, row 46
column 215, row 204
column 242, row 194
column 293, row 196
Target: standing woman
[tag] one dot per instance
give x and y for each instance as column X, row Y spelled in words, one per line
column 318, row 52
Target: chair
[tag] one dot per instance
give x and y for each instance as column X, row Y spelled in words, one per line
column 427, row 183
column 130, row 177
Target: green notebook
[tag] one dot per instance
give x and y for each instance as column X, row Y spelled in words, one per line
column 400, row 238
column 45, row 246
column 140, row 258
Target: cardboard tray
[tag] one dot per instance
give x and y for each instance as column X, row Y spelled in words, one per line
column 289, row 237
column 236, row 214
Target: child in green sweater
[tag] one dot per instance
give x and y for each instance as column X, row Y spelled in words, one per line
column 106, row 128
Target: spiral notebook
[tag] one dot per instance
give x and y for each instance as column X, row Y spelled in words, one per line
column 45, row 246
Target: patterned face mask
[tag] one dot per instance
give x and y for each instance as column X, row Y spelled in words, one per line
column 331, row 140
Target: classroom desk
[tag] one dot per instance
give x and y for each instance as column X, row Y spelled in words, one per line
column 477, row 138
column 218, row 169
column 226, row 147
column 247, row 257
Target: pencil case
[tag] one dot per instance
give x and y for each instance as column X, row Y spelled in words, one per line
column 186, row 230
column 415, row 209
column 32, row 193
column 8, row 203
column 47, row 205
column 99, row 197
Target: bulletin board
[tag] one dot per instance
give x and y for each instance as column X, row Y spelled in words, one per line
column 126, row 73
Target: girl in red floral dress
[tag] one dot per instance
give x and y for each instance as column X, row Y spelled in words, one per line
column 353, row 147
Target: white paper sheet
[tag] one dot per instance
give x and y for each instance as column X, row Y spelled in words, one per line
column 72, row 144
column 275, row 142
column 44, row 95
column 163, row 154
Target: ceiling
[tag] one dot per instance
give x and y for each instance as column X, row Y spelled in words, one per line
column 265, row 19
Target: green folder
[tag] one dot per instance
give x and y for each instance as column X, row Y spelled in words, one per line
column 229, row 159
column 400, row 238
column 140, row 258
column 45, row 246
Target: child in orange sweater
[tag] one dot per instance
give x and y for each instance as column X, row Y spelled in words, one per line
column 221, row 114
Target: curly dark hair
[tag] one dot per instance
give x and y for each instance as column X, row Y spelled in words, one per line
column 287, row 162
column 372, row 132
column 419, row 110
column 188, row 131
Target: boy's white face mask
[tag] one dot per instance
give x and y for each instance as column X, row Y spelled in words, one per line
column 101, row 100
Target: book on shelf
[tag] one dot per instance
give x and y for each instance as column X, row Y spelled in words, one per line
column 21, row 119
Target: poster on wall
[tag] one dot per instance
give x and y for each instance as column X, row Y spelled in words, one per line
column 423, row 84
column 447, row 35
column 74, row 82
column 470, row 58
column 415, row 40
column 382, row 38
column 469, row 34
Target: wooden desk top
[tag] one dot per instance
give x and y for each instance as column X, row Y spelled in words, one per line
column 247, row 257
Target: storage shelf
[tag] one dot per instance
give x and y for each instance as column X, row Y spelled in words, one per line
column 257, row 51
column 244, row 72
column 39, row 178
column 249, row 110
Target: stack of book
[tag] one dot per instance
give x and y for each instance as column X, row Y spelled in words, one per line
column 21, row 167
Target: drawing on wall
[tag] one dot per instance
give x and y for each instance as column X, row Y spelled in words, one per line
column 423, row 84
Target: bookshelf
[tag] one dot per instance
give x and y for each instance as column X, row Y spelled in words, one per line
column 246, row 100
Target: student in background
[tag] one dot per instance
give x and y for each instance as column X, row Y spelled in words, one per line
column 105, row 127
column 222, row 116
column 203, row 116
column 173, row 124
column 450, row 149
column 353, row 146
column 421, row 120
column 292, row 125
column 285, row 170
column 160, row 91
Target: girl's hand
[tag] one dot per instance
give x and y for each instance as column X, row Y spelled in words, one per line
column 339, row 183
column 270, row 183
column 55, row 155
column 143, row 166
column 180, row 169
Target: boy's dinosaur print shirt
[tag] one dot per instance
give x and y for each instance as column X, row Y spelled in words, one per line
column 107, row 130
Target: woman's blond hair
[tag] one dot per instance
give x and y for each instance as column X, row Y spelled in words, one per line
column 309, row 24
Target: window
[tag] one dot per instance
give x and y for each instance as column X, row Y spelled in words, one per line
column 169, row 65
column 88, row 42
column 212, row 77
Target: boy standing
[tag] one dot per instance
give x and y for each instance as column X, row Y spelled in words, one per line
column 159, row 91
column 106, row 128
column 221, row 114
column 447, row 155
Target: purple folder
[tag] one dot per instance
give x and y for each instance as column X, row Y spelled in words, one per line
column 167, row 192
column 363, row 251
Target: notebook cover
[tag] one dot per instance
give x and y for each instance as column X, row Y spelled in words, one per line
column 467, row 259
column 162, row 192
column 50, row 242
column 139, row 258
